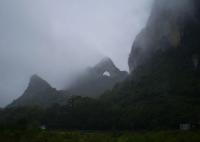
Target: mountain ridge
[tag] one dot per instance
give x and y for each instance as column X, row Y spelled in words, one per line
column 91, row 84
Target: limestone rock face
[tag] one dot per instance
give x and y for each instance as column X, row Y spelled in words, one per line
column 92, row 83
column 98, row 79
column 39, row 93
column 164, row 64
column 172, row 24
column 106, row 65
column 38, row 84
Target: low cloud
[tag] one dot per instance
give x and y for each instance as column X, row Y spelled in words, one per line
column 58, row 38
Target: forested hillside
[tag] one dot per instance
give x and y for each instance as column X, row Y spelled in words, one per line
column 161, row 92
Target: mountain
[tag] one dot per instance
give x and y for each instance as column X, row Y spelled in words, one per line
column 92, row 83
column 40, row 93
column 172, row 24
column 165, row 55
column 164, row 86
column 98, row 79
column 163, row 89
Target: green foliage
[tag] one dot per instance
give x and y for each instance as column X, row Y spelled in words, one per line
column 161, row 93
column 39, row 136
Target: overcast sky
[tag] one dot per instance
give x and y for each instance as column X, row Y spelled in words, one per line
column 57, row 38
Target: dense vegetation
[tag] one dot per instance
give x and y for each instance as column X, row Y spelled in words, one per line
column 160, row 94
column 42, row 136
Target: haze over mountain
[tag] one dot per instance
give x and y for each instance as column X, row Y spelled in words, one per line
column 91, row 83
column 164, row 29
column 98, row 79
column 161, row 92
column 59, row 39
column 40, row 93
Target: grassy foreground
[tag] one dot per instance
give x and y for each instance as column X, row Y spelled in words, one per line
column 36, row 136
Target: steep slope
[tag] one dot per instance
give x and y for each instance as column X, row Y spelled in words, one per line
column 164, row 86
column 98, row 79
column 40, row 93
column 92, row 83
column 163, row 90
column 172, row 24
column 165, row 55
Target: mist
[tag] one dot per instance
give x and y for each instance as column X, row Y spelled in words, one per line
column 57, row 39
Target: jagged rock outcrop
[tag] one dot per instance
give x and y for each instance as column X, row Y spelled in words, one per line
column 40, row 93
column 106, row 65
column 165, row 57
column 172, row 24
column 98, row 79
column 164, row 84
column 92, row 83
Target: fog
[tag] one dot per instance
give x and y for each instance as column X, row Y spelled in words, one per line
column 56, row 39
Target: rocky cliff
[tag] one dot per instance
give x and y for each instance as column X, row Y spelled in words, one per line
column 40, row 93
column 93, row 83
column 172, row 24
column 164, row 86
column 98, row 79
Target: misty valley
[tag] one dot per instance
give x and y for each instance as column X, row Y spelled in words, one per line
column 157, row 100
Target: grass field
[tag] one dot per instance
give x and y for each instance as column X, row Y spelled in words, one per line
column 39, row 136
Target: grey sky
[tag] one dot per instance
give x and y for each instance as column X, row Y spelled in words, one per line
column 58, row 38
